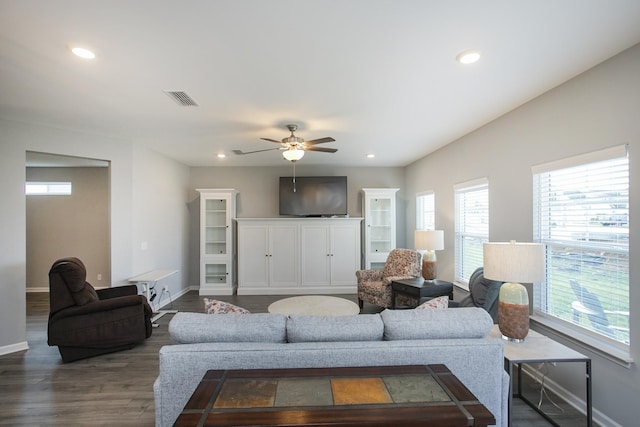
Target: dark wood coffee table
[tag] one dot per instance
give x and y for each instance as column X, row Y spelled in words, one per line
column 427, row 395
column 419, row 288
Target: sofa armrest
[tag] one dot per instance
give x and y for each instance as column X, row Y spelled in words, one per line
column 369, row 275
column 387, row 280
column 102, row 306
column 117, row 291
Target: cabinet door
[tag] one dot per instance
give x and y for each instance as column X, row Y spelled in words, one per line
column 380, row 225
column 253, row 261
column 345, row 254
column 215, row 274
column 216, row 227
column 283, row 255
column 316, row 254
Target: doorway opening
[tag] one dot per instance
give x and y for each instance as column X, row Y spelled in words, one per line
column 70, row 223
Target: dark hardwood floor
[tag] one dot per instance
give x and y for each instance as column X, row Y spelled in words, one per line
column 37, row 389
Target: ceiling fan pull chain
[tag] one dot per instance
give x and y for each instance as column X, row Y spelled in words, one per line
column 294, row 177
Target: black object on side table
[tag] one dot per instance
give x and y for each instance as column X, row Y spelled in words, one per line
column 419, row 288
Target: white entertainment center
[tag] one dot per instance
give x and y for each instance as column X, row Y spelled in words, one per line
column 298, row 255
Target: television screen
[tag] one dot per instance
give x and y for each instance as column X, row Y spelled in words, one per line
column 313, row 195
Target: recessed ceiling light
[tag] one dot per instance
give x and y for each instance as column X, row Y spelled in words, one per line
column 222, row 156
column 468, row 56
column 370, row 156
column 83, row 53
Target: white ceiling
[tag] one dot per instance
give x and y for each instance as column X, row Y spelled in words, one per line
column 379, row 76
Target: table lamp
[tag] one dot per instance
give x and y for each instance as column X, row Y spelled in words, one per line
column 429, row 241
column 512, row 263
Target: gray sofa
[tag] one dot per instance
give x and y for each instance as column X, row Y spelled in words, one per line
column 456, row 338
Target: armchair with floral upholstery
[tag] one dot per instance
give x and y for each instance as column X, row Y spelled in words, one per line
column 374, row 286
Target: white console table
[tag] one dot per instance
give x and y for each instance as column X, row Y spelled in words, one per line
column 538, row 348
column 148, row 282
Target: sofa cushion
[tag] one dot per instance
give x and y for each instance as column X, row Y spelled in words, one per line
column 433, row 324
column 214, row 306
column 188, row 328
column 360, row 327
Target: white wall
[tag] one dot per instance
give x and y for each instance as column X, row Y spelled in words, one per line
column 258, row 186
column 598, row 109
column 15, row 139
column 12, row 242
column 159, row 238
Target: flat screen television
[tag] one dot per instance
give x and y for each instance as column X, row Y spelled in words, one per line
column 314, row 196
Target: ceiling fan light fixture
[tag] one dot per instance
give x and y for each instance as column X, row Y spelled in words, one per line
column 293, row 154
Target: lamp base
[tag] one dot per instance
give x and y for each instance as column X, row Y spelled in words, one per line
column 513, row 321
column 429, row 269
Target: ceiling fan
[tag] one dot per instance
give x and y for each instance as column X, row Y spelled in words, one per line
column 294, row 147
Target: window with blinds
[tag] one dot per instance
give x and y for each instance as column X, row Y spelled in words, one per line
column 425, row 211
column 581, row 214
column 47, row 188
column 471, row 226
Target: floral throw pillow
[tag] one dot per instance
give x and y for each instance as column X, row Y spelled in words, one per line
column 212, row 306
column 439, row 302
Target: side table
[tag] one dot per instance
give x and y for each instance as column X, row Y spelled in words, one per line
column 148, row 281
column 538, row 348
column 419, row 288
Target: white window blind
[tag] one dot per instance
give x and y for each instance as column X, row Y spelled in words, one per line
column 581, row 214
column 471, row 226
column 425, row 211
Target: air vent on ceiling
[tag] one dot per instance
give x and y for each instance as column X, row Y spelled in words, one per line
column 181, row 98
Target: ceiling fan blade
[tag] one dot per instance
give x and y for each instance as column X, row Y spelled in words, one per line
column 271, row 140
column 324, row 150
column 240, row 152
column 319, row 141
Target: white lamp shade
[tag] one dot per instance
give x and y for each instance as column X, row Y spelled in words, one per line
column 293, row 154
column 429, row 240
column 514, row 262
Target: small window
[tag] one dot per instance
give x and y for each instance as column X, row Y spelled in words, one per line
column 47, row 188
column 471, row 227
column 425, row 211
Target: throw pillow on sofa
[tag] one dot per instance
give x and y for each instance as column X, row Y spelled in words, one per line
column 212, row 306
column 439, row 302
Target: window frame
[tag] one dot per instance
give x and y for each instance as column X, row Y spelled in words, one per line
column 460, row 229
column 422, row 213
column 614, row 349
column 48, row 188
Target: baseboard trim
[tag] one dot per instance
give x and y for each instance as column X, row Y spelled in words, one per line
column 7, row 349
column 299, row 290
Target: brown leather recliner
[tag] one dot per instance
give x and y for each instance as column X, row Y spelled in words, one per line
column 84, row 322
